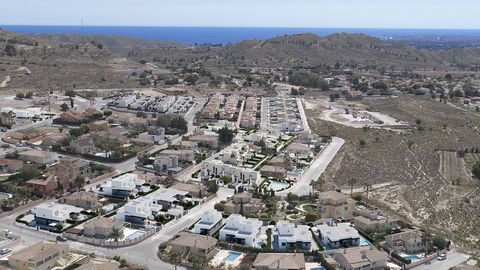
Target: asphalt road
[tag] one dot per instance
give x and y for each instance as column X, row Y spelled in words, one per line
column 454, row 258
column 144, row 253
column 302, row 186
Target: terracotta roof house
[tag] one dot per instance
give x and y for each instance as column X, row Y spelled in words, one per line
column 101, row 227
column 83, row 199
column 195, row 244
column 39, row 256
column 10, row 165
column 37, row 156
column 99, row 264
column 279, row 261
column 368, row 258
column 43, row 186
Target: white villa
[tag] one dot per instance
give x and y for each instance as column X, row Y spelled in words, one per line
column 139, row 210
column 338, row 235
column 241, row 230
column 238, row 174
column 291, row 236
column 52, row 214
column 121, row 186
column 209, row 223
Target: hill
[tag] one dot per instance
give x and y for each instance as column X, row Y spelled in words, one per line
column 31, row 62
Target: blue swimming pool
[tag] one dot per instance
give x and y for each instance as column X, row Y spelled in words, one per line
column 364, row 242
column 413, row 258
column 232, row 256
column 318, row 268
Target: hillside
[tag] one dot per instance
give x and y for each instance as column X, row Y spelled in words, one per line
column 310, row 51
column 353, row 50
column 28, row 62
column 117, row 44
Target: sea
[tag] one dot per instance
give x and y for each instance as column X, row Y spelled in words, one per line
column 224, row 35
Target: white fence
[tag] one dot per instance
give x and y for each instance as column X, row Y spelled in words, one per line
column 110, row 243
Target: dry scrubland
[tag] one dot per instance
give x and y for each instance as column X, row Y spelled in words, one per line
column 429, row 186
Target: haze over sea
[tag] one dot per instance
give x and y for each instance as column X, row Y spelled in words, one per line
column 223, row 35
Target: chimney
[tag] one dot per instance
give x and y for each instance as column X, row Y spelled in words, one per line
column 344, row 251
column 364, row 254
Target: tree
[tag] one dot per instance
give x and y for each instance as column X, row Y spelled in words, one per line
column 225, row 135
column 70, row 93
column 268, row 247
column 362, row 142
column 26, row 173
column 79, row 181
column 64, row 107
column 219, row 207
column 439, row 242
column 117, row 233
column 476, row 169
column 197, row 262
column 226, row 179
column 352, row 182
column 191, row 79
column 175, row 258
column 29, row 95
column 311, row 216
column 212, row 186
column 20, row 96
column 10, row 50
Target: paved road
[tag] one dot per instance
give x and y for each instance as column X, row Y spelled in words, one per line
column 454, row 258
column 302, row 186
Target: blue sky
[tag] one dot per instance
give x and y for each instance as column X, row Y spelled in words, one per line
column 445, row 14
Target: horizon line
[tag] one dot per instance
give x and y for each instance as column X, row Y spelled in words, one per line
column 251, row 27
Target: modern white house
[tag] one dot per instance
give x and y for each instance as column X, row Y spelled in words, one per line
column 50, row 214
column 165, row 103
column 209, row 223
column 213, row 168
column 138, row 211
column 123, row 102
column 291, row 236
column 167, row 197
column 121, row 186
column 163, row 200
column 241, row 230
column 338, row 235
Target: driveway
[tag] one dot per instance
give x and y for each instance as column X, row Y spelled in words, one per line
column 302, row 186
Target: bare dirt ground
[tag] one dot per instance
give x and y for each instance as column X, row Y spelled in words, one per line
column 425, row 193
column 358, row 115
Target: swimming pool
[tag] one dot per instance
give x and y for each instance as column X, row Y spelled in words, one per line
column 413, row 258
column 232, row 256
column 277, row 186
column 318, row 268
column 364, row 242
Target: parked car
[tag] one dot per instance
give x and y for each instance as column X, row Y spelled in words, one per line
column 4, row 251
column 442, row 257
column 61, row 238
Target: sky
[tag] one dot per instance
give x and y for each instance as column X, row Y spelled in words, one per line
column 421, row 14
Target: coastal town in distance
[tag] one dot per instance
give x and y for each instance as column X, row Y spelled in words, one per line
column 295, row 150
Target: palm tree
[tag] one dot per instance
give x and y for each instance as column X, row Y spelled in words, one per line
column 352, row 182
column 117, row 233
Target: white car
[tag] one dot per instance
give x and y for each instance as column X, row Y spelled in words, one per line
column 4, row 251
column 442, row 257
